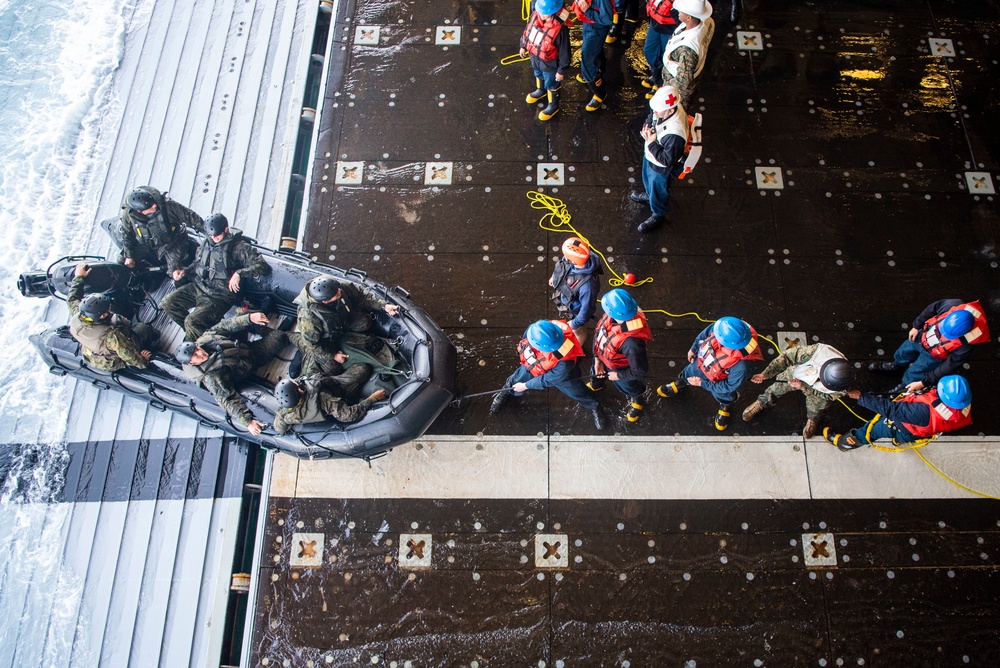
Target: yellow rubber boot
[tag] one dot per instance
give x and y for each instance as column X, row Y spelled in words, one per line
column 552, row 108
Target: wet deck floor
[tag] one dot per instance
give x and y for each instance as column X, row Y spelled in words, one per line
column 877, row 137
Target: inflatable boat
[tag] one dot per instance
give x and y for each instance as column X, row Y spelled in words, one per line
column 423, row 386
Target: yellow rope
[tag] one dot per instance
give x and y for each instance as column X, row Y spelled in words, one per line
column 525, row 10
column 952, row 480
column 558, row 220
column 512, row 59
column 915, row 447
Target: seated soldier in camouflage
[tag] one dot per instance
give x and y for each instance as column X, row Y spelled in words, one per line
column 222, row 260
column 318, row 398
column 220, row 358
column 108, row 340
column 327, row 309
column 153, row 229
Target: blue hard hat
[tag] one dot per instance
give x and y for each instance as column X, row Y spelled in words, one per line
column 956, row 324
column 732, row 332
column 619, row 305
column 548, row 6
column 954, row 392
column 545, row 336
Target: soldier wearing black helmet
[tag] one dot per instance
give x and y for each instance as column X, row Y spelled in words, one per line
column 327, row 309
column 221, row 357
column 109, row 341
column 222, row 260
column 153, row 229
column 318, row 398
column 819, row 371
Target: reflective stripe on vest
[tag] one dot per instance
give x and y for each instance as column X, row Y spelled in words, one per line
column 940, row 347
column 659, row 11
column 715, row 360
column 540, row 37
column 696, row 39
column 610, row 336
column 537, row 362
column 943, row 418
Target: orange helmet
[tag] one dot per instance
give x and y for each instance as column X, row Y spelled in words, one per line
column 576, row 251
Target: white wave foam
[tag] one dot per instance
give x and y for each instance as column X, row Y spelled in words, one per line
column 57, row 138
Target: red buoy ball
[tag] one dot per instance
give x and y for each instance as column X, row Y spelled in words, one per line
column 629, row 279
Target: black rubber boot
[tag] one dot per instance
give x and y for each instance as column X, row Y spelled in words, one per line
column 635, row 409
column 616, row 30
column 595, row 384
column 597, row 95
column 498, row 401
column 722, row 417
column 844, row 442
column 552, row 108
column 672, row 388
column 536, row 95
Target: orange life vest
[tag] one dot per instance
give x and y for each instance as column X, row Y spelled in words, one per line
column 715, row 360
column 659, row 11
column 940, row 347
column 610, row 336
column 540, row 37
column 943, row 418
column 537, row 362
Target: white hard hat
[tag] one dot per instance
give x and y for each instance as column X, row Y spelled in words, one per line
column 665, row 99
column 700, row 9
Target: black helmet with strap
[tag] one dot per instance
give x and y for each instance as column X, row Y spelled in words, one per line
column 95, row 307
column 322, row 288
column 216, row 224
column 140, row 199
column 288, row 393
column 837, row 375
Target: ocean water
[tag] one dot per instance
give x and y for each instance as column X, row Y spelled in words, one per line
column 58, row 120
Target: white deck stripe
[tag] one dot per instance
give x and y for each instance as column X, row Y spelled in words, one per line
column 668, row 467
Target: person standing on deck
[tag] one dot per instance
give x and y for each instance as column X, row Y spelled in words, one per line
column 687, row 49
column 575, row 282
column 596, row 17
column 620, row 350
column 719, row 363
column 665, row 135
column 550, row 357
column 546, row 40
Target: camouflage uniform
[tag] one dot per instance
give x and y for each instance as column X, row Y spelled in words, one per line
column 320, row 326
column 161, row 237
column 230, row 360
column 111, row 345
column 208, row 294
column 326, row 397
column 780, row 370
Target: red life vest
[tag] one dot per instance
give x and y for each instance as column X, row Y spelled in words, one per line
column 537, row 362
column 540, row 37
column 659, row 11
column 940, row 347
column 715, row 360
column 610, row 336
column 581, row 7
column 943, row 418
